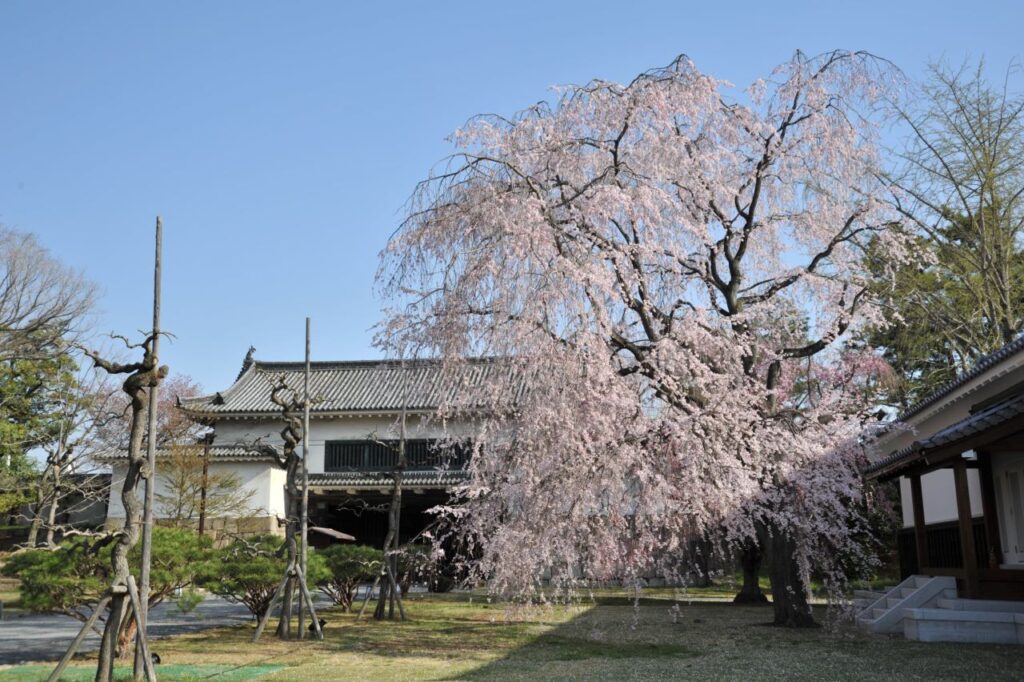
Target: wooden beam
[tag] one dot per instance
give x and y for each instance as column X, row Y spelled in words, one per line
column 920, row 532
column 963, row 507
column 988, row 508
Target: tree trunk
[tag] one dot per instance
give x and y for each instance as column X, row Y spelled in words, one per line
column 126, row 636
column 388, row 584
column 33, row 531
column 789, row 593
column 108, row 647
column 387, row 596
column 750, row 560
column 51, row 520
column 284, row 625
column 42, row 497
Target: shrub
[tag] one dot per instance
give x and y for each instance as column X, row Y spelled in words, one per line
column 347, row 566
column 251, row 569
column 71, row 578
column 188, row 600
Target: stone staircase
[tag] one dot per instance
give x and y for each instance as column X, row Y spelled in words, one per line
column 886, row 613
column 926, row 608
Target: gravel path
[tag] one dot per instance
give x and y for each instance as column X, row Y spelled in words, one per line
column 34, row 637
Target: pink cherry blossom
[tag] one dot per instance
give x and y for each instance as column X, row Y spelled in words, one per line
column 667, row 277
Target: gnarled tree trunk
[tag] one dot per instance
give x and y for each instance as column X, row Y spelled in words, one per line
column 750, row 562
column 789, row 592
column 142, row 376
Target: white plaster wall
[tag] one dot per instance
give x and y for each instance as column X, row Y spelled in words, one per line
column 263, row 480
column 938, row 493
column 322, row 430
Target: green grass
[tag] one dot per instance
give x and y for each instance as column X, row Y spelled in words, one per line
column 452, row 638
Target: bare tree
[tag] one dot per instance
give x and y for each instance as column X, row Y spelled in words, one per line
column 959, row 185
column 193, row 492
column 43, row 303
column 68, row 481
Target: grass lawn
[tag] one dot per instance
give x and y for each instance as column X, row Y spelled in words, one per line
column 451, row 637
column 10, row 598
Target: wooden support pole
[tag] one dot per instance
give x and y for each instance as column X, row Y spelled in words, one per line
column 140, row 634
column 79, row 638
column 304, row 525
column 270, row 607
column 205, row 483
column 309, row 603
column 963, row 507
column 920, row 531
column 396, row 594
column 369, row 594
column 142, row 612
column 988, row 509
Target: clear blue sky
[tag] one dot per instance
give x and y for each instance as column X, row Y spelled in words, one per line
column 279, row 140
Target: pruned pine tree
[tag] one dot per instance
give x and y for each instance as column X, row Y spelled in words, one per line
column 289, row 459
column 122, row 592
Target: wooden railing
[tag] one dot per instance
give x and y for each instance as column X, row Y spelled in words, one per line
column 943, row 548
column 365, row 455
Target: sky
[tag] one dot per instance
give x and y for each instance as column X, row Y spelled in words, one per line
column 280, row 141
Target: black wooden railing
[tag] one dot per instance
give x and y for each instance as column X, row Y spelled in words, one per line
column 943, row 547
column 365, row 455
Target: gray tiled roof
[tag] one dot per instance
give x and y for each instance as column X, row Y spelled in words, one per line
column 992, row 416
column 359, row 386
column 434, row 478
column 984, row 364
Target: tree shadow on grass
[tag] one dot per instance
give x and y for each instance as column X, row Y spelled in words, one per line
column 616, row 640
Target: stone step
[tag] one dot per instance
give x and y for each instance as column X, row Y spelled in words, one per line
column 955, row 625
column 873, row 595
column 987, row 605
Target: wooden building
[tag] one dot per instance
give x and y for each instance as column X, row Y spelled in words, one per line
column 356, row 408
column 959, row 458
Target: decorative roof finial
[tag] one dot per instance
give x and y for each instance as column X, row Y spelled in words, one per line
column 247, row 362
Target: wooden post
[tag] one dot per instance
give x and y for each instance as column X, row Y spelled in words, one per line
column 270, row 607
column 304, row 527
column 920, row 530
column 69, row 654
column 314, row 623
column 140, row 634
column 142, row 614
column 205, row 484
column 988, row 508
column 963, row 507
